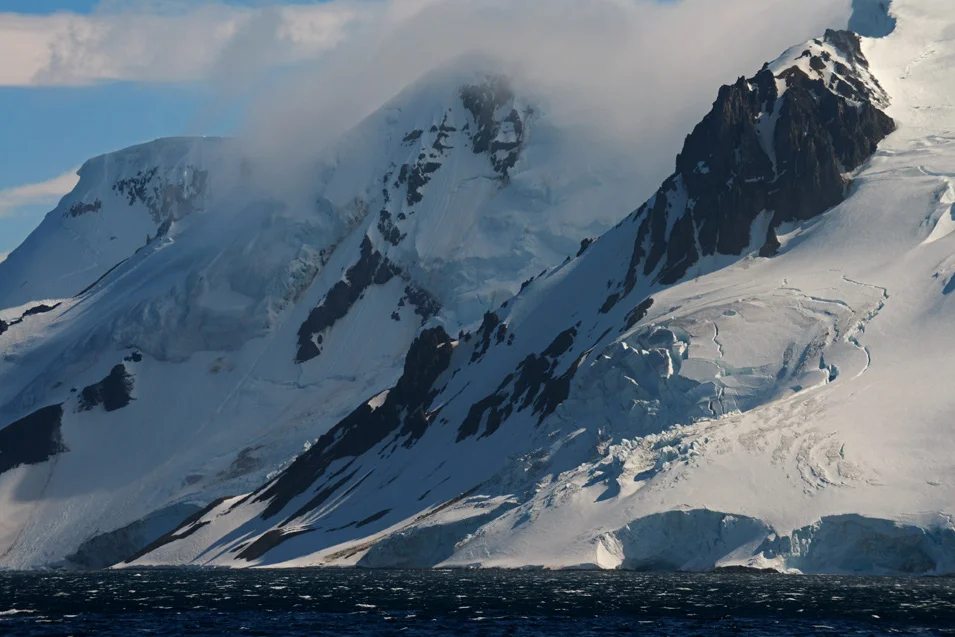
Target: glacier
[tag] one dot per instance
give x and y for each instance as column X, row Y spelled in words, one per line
column 455, row 349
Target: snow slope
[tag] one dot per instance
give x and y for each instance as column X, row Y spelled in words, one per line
column 184, row 321
column 749, row 370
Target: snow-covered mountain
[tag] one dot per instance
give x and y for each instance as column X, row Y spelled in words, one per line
column 737, row 373
column 184, row 322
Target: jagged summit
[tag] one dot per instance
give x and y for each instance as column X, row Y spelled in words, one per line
column 774, row 149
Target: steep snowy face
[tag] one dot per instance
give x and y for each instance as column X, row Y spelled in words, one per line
column 560, row 430
column 184, row 322
column 471, row 188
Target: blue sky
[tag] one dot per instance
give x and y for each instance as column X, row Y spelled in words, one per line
column 52, row 130
column 48, row 6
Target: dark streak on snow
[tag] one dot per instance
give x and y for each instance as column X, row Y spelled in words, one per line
column 269, row 541
column 33, row 311
column 488, row 325
column 188, row 526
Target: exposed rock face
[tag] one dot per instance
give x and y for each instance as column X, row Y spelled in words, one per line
column 81, row 208
column 500, row 137
column 186, row 528
column 166, row 201
column 535, row 385
column 269, row 541
column 495, row 129
column 33, row 439
column 777, row 145
column 372, row 268
column 33, row 311
column 401, row 413
column 112, row 393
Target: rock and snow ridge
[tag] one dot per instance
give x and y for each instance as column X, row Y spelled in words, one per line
column 733, row 375
column 679, row 396
column 192, row 324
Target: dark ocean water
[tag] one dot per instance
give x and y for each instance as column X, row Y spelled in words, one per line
column 353, row 602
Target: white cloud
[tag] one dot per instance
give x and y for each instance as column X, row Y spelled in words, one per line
column 46, row 193
column 639, row 72
column 166, row 43
column 179, row 40
column 3, row 256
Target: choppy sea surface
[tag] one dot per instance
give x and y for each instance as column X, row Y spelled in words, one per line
column 357, row 602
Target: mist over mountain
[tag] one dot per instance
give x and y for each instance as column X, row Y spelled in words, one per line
column 506, row 287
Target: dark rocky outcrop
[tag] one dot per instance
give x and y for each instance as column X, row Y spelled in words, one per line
column 40, row 309
column 421, row 300
column 167, row 201
column 413, row 136
column 638, row 313
column 484, row 101
column 418, row 178
column 33, row 311
column 33, row 439
column 735, row 166
column 496, row 130
column 389, row 229
column 81, row 208
column 112, row 393
column 403, row 414
column 371, row 519
column 535, row 384
column 489, row 324
column 412, row 178
column 372, row 268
